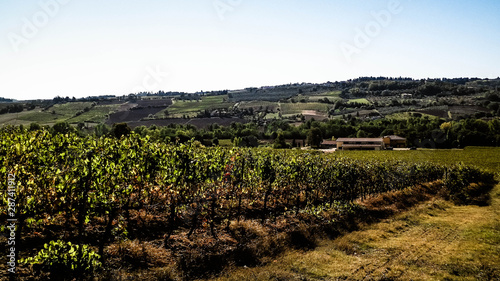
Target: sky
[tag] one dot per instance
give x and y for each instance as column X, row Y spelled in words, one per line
column 81, row 48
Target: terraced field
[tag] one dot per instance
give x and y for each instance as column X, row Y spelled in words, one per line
column 97, row 114
column 191, row 108
column 298, row 108
column 363, row 101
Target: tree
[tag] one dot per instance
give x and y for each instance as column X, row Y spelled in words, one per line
column 236, row 141
column 361, row 134
column 314, row 137
column 182, row 136
column 280, row 142
column 34, row 127
column 81, row 125
column 121, row 129
column 62, row 128
column 494, row 126
column 249, row 141
column 101, row 130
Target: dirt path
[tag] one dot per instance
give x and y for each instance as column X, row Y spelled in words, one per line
column 434, row 241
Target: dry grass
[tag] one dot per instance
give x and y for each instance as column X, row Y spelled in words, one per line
column 139, row 254
column 435, row 240
column 136, row 260
column 256, row 244
column 396, row 201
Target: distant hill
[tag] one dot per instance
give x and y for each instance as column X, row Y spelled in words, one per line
column 365, row 97
column 5, row 100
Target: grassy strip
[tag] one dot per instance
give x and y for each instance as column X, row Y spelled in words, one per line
column 435, row 240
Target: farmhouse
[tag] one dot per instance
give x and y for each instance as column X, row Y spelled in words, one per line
column 371, row 143
column 328, row 144
column 360, row 143
column 394, row 141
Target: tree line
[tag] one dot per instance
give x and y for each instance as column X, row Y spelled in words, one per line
column 419, row 132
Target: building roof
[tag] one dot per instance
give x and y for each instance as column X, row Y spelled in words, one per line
column 360, row 140
column 360, row 145
column 394, row 137
column 329, row 142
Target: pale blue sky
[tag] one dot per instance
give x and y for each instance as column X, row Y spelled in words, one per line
column 88, row 47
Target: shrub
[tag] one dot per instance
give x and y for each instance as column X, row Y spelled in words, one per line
column 62, row 128
column 121, row 129
column 65, row 260
column 468, row 185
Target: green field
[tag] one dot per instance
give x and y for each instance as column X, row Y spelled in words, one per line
column 180, row 107
column 406, row 115
column 363, row 101
column 332, row 94
column 56, row 113
column 481, row 157
column 14, row 118
column 70, row 109
column 297, row 108
column 97, row 114
column 225, row 143
column 319, row 97
column 43, row 117
column 256, row 105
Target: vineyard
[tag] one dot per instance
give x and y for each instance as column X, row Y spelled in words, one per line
column 98, row 198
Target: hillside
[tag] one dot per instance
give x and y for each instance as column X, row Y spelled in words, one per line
column 370, row 107
column 365, row 97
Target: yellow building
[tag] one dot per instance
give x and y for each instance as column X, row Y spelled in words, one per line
column 394, row 141
column 371, row 143
column 360, row 143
